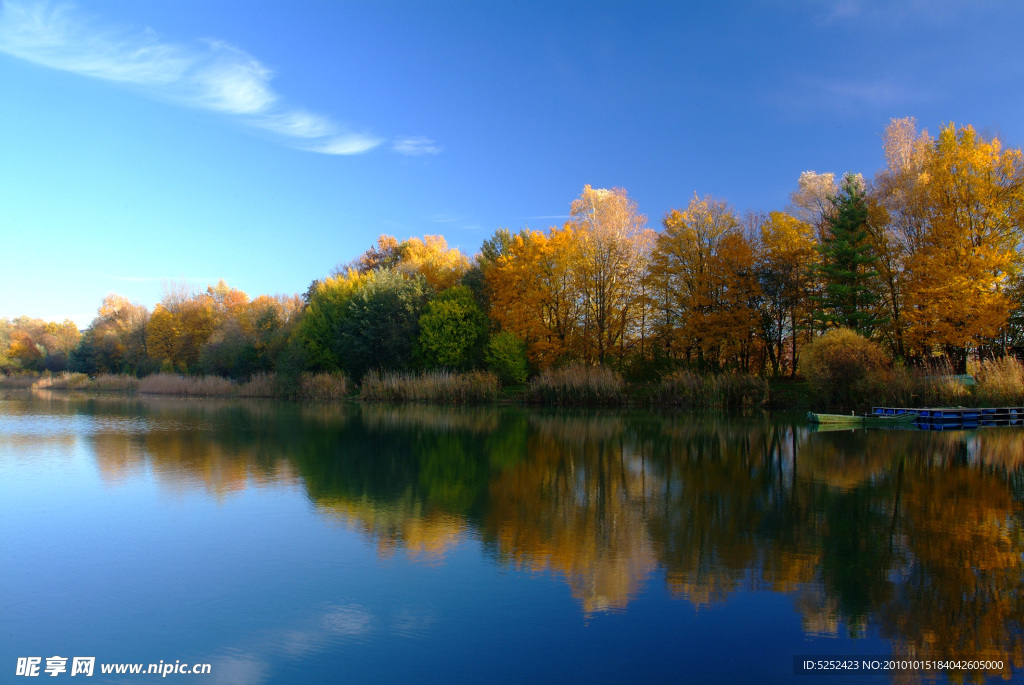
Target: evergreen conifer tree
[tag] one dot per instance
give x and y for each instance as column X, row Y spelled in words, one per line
column 847, row 267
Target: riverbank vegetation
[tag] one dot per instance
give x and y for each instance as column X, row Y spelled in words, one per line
column 872, row 291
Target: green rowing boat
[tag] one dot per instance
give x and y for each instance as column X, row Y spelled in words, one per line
column 862, row 419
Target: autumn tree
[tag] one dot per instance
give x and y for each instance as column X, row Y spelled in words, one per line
column 785, row 259
column 36, row 345
column 972, row 192
column 115, row 341
column 386, row 253
column 811, row 202
column 702, row 278
column 181, row 324
column 441, row 266
column 611, row 244
column 898, row 221
column 5, row 344
column 25, row 349
column 532, row 287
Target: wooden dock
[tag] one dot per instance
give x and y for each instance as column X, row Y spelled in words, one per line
column 941, row 418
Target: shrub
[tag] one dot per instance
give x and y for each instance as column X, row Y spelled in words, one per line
column 843, row 367
column 506, row 357
column 578, row 384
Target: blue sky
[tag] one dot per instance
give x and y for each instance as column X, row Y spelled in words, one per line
column 265, row 142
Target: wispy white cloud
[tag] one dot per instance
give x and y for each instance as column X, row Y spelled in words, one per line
column 878, row 93
column 446, row 219
column 848, row 95
column 211, row 74
column 351, row 144
column 158, row 279
column 894, row 14
column 415, row 146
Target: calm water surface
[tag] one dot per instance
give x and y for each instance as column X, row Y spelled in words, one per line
column 299, row 544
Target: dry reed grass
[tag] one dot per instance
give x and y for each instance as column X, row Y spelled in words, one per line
column 120, row 382
column 1000, row 382
column 688, row 389
column 434, row 386
column 65, row 380
column 191, row 386
column 18, row 380
column 578, row 384
column 323, row 386
column 259, row 385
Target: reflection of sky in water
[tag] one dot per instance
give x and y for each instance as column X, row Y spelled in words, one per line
column 301, row 544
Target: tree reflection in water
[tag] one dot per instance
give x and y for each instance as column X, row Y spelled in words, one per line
column 919, row 535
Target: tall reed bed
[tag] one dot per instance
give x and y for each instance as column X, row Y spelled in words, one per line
column 190, row 386
column 433, row 386
column 260, row 384
column 323, row 386
column 18, row 380
column 728, row 390
column 578, row 384
column 934, row 386
column 66, row 380
column 1000, row 382
column 120, row 382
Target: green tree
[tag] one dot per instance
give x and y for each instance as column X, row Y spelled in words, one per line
column 506, row 357
column 379, row 323
column 476, row 278
column 848, row 261
column 318, row 331
column 452, row 331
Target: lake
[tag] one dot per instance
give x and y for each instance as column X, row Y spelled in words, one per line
column 288, row 543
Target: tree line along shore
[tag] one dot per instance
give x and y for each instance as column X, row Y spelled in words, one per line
column 860, row 291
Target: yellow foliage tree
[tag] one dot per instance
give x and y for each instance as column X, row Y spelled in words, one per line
column 971, row 195
column 611, row 242
column 785, row 260
column 702, row 270
column 532, row 293
column 441, row 266
column 183, row 322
